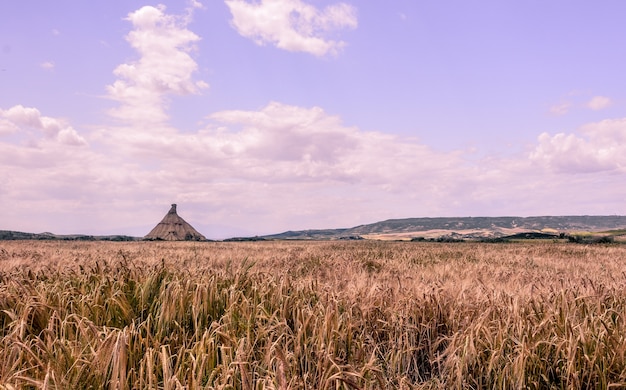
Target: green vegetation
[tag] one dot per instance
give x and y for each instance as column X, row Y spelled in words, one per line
column 452, row 227
column 311, row 315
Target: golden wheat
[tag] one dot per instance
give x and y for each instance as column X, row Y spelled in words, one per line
column 312, row 315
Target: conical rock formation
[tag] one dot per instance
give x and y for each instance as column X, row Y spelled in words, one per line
column 173, row 228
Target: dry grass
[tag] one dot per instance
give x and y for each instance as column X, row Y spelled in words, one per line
column 312, row 315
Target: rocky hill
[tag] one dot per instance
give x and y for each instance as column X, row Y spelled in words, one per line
column 465, row 227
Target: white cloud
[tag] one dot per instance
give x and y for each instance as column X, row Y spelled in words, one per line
column 599, row 103
column 596, row 103
column 20, row 115
column 284, row 143
column 48, row 65
column 165, row 67
column 286, row 133
column 560, row 109
column 607, row 132
column 192, row 6
column 600, row 147
column 7, row 126
column 22, row 118
column 69, row 136
column 292, row 25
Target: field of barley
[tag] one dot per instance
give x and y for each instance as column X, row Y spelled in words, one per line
column 312, row 315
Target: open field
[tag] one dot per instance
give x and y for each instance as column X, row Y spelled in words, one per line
column 312, row 315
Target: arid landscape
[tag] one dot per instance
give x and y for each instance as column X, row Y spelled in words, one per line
column 312, row 315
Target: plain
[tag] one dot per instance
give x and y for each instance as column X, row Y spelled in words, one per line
column 312, row 315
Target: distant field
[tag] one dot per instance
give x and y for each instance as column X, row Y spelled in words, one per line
column 312, row 315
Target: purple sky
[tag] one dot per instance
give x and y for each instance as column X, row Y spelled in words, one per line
column 263, row 116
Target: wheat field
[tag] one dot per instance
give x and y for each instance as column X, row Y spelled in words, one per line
column 312, row 315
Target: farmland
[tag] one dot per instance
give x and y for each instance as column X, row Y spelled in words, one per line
column 312, row 315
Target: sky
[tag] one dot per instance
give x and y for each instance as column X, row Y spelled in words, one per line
column 258, row 117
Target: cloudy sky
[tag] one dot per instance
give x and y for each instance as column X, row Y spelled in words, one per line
column 262, row 116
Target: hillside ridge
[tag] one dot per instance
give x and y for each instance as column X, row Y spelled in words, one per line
column 465, row 227
column 409, row 228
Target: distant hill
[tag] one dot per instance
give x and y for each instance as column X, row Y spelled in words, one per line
column 308, row 234
column 562, row 223
column 13, row 235
column 463, row 227
column 441, row 228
